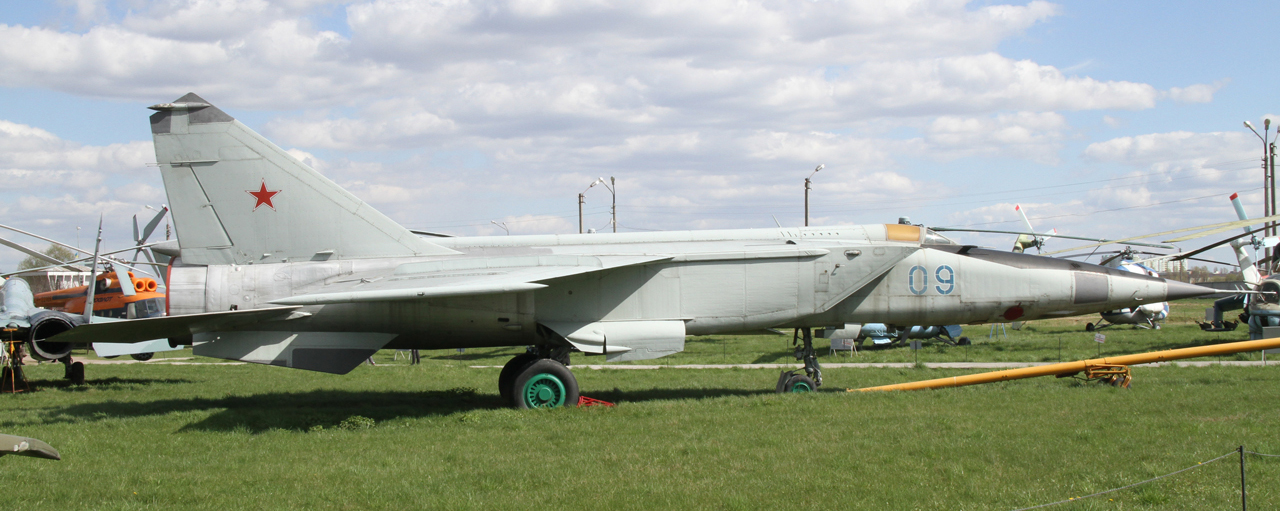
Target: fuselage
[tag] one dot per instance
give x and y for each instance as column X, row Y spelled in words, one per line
column 713, row 281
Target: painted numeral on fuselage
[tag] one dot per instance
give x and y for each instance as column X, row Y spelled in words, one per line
column 949, row 281
column 923, row 280
column 918, row 280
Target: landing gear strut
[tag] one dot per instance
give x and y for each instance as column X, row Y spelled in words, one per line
column 73, row 371
column 539, row 378
column 789, row 381
column 11, row 378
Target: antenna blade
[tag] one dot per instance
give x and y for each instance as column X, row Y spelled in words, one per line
column 93, row 276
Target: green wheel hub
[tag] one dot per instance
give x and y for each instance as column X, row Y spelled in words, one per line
column 801, row 387
column 544, row 391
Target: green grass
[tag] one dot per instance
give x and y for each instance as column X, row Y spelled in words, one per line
column 437, row 436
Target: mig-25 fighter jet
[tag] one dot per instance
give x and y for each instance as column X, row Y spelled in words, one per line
column 279, row 265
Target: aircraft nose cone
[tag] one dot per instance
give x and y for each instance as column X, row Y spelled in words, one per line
column 1179, row 290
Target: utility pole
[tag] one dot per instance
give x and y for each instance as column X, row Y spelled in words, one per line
column 580, row 213
column 1268, row 187
column 808, row 185
column 1271, row 187
column 613, row 190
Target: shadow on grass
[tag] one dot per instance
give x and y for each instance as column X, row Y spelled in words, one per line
column 329, row 408
column 63, row 384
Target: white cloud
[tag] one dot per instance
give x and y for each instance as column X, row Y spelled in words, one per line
column 1158, row 148
column 29, row 149
column 454, row 113
column 1034, row 136
column 1198, row 93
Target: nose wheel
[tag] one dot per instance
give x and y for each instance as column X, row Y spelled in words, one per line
column 789, row 381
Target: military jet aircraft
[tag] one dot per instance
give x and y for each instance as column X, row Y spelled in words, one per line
column 279, row 265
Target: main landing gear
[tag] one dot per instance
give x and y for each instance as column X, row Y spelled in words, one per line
column 539, row 378
column 789, row 381
column 72, row 371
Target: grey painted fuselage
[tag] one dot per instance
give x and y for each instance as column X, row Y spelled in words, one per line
column 715, row 282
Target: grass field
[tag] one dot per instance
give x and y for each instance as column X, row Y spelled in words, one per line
column 152, row 436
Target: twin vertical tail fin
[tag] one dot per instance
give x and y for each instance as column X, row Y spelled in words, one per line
column 236, row 198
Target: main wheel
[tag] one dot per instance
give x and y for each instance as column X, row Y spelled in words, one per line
column 508, row 375
column 544, row 384
column 142, row 357
column 75, row 373
column 1088, row 327
column 963, row 341
column 800, row 383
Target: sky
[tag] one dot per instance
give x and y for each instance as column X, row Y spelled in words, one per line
column 1102, row 119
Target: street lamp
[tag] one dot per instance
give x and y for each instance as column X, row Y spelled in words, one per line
column 1268, row 182
column 611, row 185
column 808, row 185
column 503, row 225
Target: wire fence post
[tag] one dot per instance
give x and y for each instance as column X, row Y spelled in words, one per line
column 1244, row 505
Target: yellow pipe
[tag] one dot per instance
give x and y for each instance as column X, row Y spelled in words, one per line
column 1069, row 368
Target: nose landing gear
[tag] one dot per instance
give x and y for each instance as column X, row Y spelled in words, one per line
column 789, row 381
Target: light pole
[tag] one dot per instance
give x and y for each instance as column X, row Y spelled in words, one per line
column 503, row 225
column 612, row 186
column 808, row 185
column 1268, row 183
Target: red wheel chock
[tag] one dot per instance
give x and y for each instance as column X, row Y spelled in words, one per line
column 586, row 401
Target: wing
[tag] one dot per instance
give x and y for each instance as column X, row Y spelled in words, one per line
column 435, row 279
column 491, row 275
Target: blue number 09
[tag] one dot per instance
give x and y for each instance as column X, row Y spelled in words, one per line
column 923, row 280
column 949, row 280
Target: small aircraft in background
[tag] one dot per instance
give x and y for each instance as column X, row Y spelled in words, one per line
column 1261, row 297
column 1149, row 315
column 882, row 335
column 115, row 295
column 1025, row 241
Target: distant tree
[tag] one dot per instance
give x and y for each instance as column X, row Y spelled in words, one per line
column 54, row 251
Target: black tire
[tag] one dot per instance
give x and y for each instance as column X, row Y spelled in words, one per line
column 1088, row 327
column 75, row 373
column 142, row 357
column 800, row 383
column 544, row 384
column 507, row 378
column 963, row 341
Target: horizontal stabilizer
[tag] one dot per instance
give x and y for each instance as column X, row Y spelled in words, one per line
column 137, row 330
column 24, row 446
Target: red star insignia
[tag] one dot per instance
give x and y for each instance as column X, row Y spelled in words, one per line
column 263, row 196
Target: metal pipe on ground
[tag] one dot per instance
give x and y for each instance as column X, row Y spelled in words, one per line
column 1079, row 366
